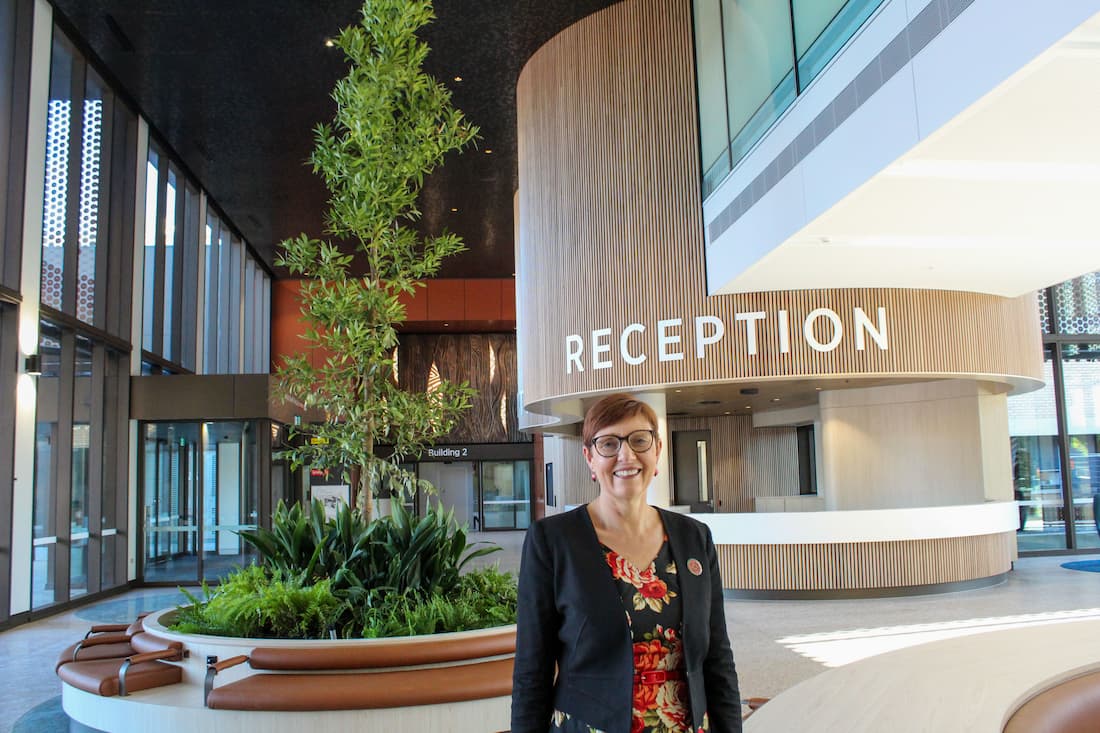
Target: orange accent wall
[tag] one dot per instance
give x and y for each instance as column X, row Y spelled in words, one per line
column 469, row 305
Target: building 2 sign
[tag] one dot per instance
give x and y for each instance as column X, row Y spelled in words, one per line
column 674, row 339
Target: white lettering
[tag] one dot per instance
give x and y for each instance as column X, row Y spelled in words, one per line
column 574, row 348
column 664, row 340
column 624, row 351
column 808, row 329
column 863, row 323
column 601, row 347
column 700, row 339
column 750, row 320
column 784, row 333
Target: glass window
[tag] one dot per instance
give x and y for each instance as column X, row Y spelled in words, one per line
column 83, row 464
column 92, row 193
column 49, row 441
column 711, row 80
column 822, row 27
column 1077, row 305
column 55, row 211
column 149, row 281
column 1081, row 373
column 1036, row 465
column 210, row 314
column 168, row 282
column 234, row 306
column 759, row 67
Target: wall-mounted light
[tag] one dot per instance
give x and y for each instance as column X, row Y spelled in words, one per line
column 33, row 365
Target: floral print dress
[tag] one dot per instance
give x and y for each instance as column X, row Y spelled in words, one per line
column 651, row 597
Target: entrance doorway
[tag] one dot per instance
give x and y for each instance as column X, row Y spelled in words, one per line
column 198, row 485
column 485, row 495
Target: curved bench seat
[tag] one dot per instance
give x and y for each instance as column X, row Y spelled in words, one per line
column 1069, row 707
column 365, row 690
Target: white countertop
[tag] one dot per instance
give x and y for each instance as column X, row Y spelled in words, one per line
column 870, row 525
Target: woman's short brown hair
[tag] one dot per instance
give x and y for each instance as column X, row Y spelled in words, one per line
column 613, row 408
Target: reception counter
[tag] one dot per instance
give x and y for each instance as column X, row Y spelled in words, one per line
column 869, row 552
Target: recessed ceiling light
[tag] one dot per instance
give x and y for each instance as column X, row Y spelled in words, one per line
column 458, row 78
column 775, row 399
column 748, row 407
column 446, row 324
column 488, row 151
column 818, row 389
column 726, row 412
column 679, row 391
column 453, row 209
column 330, row 43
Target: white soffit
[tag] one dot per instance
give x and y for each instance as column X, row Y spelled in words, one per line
column 1003, row 199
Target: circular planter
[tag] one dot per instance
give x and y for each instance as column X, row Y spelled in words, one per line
column 180, row 707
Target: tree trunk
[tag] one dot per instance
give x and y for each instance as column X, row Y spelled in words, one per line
column 360, row 484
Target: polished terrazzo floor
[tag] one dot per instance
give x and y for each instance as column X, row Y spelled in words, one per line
column 776, row 643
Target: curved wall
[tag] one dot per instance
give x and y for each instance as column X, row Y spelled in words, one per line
column 611, row 246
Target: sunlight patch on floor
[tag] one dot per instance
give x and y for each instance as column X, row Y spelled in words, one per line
column 837, row 648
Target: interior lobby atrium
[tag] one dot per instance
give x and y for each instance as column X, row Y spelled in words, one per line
column 844, row 249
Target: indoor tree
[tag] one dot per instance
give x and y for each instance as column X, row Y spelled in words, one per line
column 393, row 125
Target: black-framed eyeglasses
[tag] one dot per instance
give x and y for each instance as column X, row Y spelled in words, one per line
column 639, row 441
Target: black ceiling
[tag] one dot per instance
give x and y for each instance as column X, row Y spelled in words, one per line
column 235, row 87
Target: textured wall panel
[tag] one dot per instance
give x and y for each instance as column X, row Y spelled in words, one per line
column 469, row 358
column 865, row 565
column 610, row 234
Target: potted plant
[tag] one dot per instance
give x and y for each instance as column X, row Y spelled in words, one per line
column 393, row 125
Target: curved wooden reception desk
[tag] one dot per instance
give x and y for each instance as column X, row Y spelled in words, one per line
column 871, row 552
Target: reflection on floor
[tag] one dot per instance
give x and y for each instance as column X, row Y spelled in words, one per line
column 776, row 643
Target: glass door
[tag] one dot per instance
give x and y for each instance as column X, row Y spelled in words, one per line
column 229, row 498
column 506, row 494
column 170, row 475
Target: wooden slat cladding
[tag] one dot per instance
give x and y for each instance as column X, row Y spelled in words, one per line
column 610, row 234
column 467, row 358
column 747, row 463
column 865, row 565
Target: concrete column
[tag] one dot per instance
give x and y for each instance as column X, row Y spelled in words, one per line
column 660, row 490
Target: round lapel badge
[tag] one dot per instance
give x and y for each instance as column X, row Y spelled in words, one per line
column 695, row 567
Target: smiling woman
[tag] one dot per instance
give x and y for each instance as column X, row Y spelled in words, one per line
column 667, row 665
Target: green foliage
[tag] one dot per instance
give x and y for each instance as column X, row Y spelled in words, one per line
column 252, row 602
column 426, row 554
column 394, row 124
column 481, row 599
column 396, row 575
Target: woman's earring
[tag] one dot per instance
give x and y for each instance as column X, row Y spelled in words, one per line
column 593, row 476
column 655, row 472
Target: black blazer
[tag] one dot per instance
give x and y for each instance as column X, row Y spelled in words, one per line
column 571, row 615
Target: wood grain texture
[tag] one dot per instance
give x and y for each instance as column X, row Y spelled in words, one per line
column 610, row 234
column 469, row 358
column 865, row 565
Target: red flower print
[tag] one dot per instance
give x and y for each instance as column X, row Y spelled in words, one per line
column 645, row 696
column 655, row 588
column 648, row 655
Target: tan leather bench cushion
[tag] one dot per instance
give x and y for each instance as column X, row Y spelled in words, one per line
column 93, row 653
column 138, row 644
column 101, row 677
column 1070, row 707
column 382, row 654
column 365, row 690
